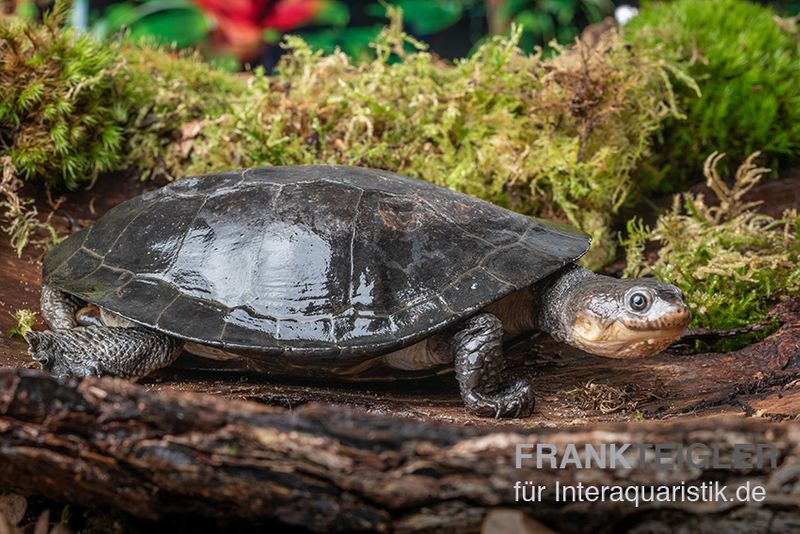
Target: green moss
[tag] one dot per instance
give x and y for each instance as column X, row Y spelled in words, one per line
column 556, row 138
column 748, row 70
column 60, row 116
column 73, row 107
column 25, row 320
column 732, row 263
column 737, row 340
column 168, row 92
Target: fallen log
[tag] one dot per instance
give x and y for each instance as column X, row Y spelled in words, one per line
column 110, row 443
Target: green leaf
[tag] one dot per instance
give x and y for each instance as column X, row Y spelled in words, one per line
column 325, row 40
column 354, row 41
column 567, row 34
column 181, row 26
column 27, row 11
column 511, row 7
column 595, row 10
column 165, row 22
column 424, row 17
column 564, row 10
column 332, row 13
column 119, row 15
column 537, row 23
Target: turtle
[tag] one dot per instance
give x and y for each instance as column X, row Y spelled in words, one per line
column 335, row 271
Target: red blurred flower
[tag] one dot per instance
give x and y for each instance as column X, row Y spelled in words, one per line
column 241, row 23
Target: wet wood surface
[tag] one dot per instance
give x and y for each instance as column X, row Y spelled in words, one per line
column 391, row 447
column 112, row 444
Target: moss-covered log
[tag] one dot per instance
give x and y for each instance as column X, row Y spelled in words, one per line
column 111, row 443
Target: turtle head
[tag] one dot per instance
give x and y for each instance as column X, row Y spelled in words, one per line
column 623, row 318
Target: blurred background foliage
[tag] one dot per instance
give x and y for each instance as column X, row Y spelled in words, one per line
column 234, row 33
column 747, row 66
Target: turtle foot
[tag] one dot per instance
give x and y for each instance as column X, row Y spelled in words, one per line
column 48, row 350
column 480, row 369
column 517, row 400
column 98, row 350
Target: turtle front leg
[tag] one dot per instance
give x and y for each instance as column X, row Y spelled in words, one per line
column 479, row 366
column 100, row 350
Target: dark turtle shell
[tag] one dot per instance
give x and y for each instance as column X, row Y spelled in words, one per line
column 323, row 260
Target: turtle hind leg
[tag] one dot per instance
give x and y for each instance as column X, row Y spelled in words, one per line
column 58, row 308
column 479, row 365
column 99, row 350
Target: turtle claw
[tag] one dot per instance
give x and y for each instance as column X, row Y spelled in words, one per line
column 38, row 348
column 86, row 351
column 480, row 366
column 517, row 400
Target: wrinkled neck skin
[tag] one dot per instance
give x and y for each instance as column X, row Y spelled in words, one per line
column 554, row 310
column 599, row 314
column 541, row 307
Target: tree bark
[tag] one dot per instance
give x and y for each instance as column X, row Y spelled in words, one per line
column 110, row 443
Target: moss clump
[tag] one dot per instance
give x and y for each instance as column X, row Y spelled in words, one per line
column 732, row 263
column 73, row 107
column 25, row 320
column 748, row 71
column 556, row 138
column 61, row 115
column 168, row 92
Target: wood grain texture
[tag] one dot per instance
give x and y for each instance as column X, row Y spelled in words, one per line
column 112, row 443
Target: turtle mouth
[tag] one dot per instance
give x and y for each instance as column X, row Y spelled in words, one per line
column 628, row 337
column 678, row 319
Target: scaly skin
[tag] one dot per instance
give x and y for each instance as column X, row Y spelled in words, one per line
column 480, row 366
column 99, row 351
column 70, row 350
column 58, row 308
column 593, row 312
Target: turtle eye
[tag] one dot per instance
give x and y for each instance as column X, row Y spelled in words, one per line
column 639, row 301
